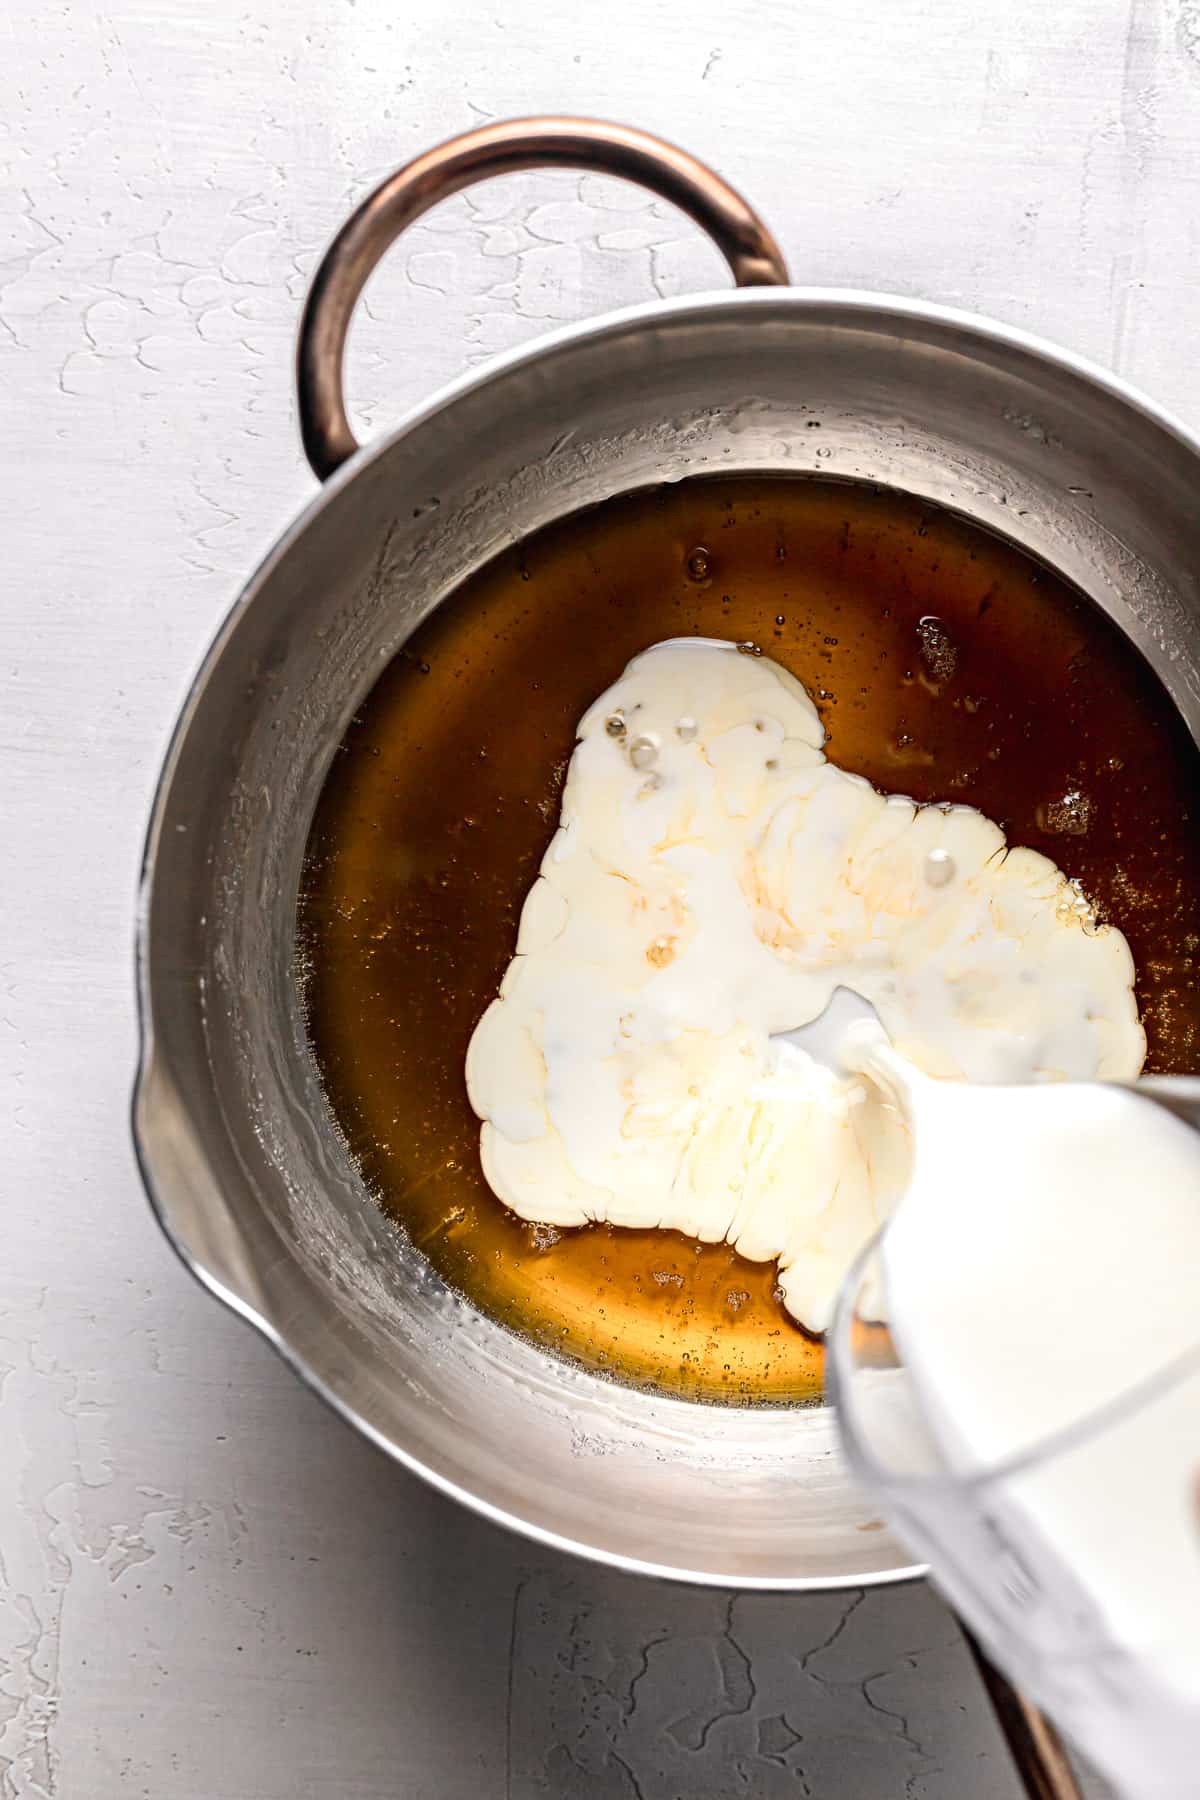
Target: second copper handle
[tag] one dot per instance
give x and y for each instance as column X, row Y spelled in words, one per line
column 1035, row 1746
column 501, row 149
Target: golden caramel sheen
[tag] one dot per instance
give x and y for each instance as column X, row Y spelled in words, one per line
column 944, row 663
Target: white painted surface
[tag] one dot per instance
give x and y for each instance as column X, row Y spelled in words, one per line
column 208, row 1587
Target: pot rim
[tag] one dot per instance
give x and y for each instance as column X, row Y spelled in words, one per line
column 146, row 1111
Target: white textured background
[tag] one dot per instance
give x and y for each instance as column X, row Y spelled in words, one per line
column 208, row 1589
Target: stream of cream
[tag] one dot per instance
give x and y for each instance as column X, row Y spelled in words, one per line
column 1043, row 1264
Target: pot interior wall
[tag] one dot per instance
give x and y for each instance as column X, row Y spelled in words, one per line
column 246, row 1166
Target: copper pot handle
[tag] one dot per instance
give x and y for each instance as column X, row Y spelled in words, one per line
column 1037, row 1750
column 500, row 149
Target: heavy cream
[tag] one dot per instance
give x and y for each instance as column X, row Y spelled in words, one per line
column 1042, row 1279
column 713, row 878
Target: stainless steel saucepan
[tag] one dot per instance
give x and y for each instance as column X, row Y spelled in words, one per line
column 248, row 1175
